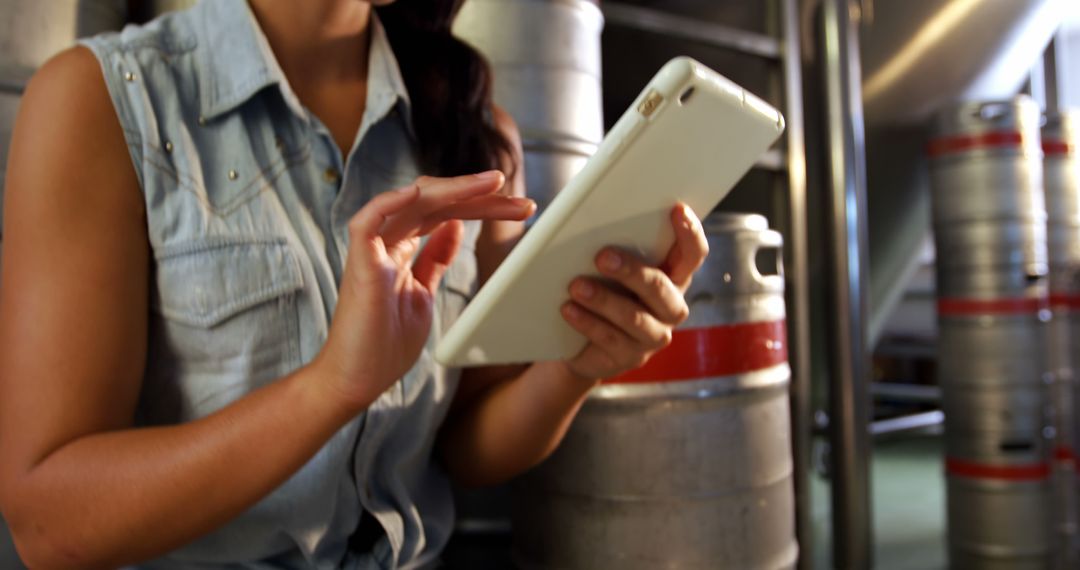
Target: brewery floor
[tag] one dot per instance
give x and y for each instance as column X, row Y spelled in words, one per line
column 908, row 489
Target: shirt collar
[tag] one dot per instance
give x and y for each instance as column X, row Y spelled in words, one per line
column 238, row 63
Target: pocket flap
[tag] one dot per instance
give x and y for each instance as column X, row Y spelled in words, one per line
column 205, row 283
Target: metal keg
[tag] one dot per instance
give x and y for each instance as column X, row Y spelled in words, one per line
column 986, row 175
column 545, row 55
column 1061, row 175
column 990, row 233
column 686, row 462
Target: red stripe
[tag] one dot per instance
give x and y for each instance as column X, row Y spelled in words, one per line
column 714, row 351
column 962, row 307
column 1052, row 147
column 964, row 143
column 1065, row 301
column 1030, row 472
column 1064, row 454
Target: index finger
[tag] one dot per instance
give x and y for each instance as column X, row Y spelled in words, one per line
column 437, row 194
column 440, row 191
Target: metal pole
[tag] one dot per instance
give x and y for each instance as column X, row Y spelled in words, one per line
column 849, row 400
column 1050, row 77
column 798, row 280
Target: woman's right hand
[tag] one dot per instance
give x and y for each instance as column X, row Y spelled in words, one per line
column 384, row 311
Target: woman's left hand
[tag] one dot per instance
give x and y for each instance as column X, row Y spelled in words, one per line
column 629, row 322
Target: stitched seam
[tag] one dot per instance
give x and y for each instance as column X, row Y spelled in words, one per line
column 230, row 308
column 293, row 309
column 219, row 242
column 288, row 279
column 154, row 43
column 268, row 174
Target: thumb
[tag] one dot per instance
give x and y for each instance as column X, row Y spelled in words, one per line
column 439, row 251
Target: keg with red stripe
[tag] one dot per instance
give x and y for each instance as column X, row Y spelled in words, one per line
column 1061, row 176
column 686, row 462
column 990, row 233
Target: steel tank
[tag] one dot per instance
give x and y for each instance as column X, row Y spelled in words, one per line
column 686, row 462
column 990, row 232
column 1061, row 175
column 545, row 55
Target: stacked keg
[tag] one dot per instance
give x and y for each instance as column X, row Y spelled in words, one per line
column 545, row 55
column 1061, row 169
column 686, row 462
column 990, row 233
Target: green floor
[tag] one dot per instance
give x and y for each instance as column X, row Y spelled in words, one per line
column 908, row 489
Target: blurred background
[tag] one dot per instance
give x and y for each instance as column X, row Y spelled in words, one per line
column 917, row 406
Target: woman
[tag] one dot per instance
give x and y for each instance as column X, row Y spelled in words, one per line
column 214, row 344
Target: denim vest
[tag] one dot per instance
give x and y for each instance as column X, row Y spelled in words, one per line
column 247, row 201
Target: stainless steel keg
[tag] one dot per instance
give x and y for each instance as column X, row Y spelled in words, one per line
column 1061, row 175
column 986, row 175
column 990, row 232
column 545, row 55
column 685, row 463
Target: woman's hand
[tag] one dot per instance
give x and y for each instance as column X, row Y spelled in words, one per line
column 628, row 323
column 384, row 311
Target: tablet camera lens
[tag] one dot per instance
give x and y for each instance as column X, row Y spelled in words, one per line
column 686, row 95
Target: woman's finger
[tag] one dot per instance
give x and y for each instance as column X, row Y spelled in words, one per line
column 690, row 249
column 495, row 207
column 438, row 253
column 443, row 190
column 491, row 208
column 367, row 223
column 625, row 313
column 437, row 194
column 653, row 287
column 609, row 348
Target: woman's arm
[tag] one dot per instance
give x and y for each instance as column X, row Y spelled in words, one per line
column 507, row 419
column 79, row 486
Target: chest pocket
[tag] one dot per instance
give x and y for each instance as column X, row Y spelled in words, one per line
column 226, row 323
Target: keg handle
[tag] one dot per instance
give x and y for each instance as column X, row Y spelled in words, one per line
column 993, row 111
column 767, row 253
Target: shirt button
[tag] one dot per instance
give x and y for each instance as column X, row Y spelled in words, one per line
column 332, row 176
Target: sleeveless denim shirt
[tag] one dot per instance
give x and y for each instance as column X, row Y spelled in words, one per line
column 247, row 201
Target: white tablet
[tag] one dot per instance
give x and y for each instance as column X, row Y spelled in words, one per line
column 690, row 136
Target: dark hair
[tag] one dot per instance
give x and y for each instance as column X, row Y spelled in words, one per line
column 449, row 83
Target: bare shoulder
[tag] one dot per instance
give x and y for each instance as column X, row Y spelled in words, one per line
column 67, row 138
column 68, row 103
column 69, row 87
column 73, row 64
